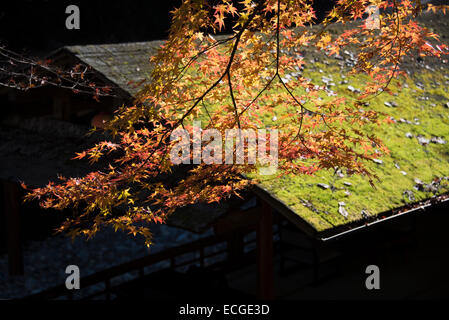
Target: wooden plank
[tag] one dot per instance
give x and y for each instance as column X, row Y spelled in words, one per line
column 265, row 270
column 13, row 228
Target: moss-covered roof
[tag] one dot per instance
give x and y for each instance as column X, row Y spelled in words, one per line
column 417, row 167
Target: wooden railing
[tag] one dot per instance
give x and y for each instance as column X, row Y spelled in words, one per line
column 139, row 265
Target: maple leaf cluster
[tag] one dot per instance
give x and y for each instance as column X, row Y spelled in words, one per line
column 239, row 81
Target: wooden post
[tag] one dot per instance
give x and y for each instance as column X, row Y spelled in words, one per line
column 265, row 268
column 12, row 219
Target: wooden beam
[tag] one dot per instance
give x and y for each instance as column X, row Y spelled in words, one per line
column 237, row 220
column 284, row 210
column 13, row 228
column 265, row 270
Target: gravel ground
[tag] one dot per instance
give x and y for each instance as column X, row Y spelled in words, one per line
column 45, row 261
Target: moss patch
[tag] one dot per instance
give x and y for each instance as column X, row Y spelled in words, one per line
column 420, row 113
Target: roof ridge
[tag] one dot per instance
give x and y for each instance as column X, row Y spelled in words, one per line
column 119, row 44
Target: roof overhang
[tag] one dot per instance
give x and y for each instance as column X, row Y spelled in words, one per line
column 350, row 228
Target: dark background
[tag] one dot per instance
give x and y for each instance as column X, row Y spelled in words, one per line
column 39, row 26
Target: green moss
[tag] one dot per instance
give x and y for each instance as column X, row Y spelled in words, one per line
column 418, row 162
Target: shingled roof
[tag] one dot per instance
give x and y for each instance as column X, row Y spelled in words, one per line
column 123, row 64
column 40, row 148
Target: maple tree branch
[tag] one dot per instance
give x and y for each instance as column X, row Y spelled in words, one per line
column 21, row 73
column 236, row 114
column 207, row 111
column 199, row 54
column 206, row 92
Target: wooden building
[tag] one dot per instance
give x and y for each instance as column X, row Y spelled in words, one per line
column 320, row 209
